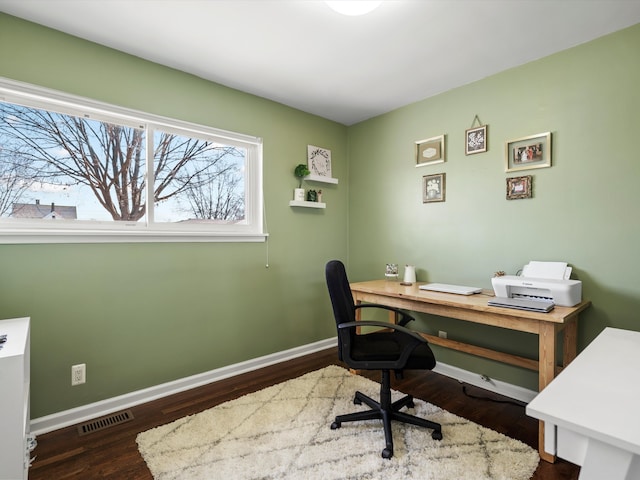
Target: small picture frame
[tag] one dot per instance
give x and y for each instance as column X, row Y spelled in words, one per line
column 319, row 161
column 528, row 153
column 434, row 188
column 475, row 140
column 430, row 151
column 519, row 187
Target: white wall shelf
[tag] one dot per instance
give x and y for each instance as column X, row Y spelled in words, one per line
column 319, row 178
column 304, row 203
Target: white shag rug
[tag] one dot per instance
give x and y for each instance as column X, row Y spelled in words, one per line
column 283, row 432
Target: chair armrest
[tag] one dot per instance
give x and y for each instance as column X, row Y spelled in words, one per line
column 392, row 326
column 405, row 317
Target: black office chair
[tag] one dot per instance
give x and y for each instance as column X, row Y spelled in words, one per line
column 395, row 350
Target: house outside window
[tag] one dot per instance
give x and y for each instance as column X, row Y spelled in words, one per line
column 75, row 170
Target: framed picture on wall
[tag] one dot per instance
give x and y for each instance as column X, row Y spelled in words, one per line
column 519, row 187
column 319, row 161
column 430, row 151
column 434, row 188
column 475, row 140
column 529, row 152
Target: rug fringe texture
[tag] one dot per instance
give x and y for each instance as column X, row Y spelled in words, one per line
column 282, row 432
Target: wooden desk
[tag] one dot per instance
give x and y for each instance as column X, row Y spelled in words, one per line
column 474, row 308
column 591, row 409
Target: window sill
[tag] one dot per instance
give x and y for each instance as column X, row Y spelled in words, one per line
column 27, row 237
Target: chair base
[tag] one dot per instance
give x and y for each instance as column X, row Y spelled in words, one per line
column 387, row 411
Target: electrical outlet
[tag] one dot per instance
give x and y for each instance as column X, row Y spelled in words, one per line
column 78, row 374
column 442, row 334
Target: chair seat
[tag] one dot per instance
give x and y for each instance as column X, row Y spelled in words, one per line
column 388, row 346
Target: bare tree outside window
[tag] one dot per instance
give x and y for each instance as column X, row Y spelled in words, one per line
column 205, row 179
column 16, row 177
column 100, row 169
column 217, row 200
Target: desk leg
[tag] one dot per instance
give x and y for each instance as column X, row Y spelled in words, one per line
column 358, row 318
column 358, row 315
column 547, row 366
column 570, row 345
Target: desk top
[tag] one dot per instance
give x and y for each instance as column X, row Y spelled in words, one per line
column 476, row 302
column 597, row 394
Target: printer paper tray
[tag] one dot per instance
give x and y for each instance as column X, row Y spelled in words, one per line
column 521, row 304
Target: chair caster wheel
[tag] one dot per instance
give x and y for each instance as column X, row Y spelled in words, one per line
column 411, row 404
column 436, row 435
column 387, row 453
column 335, row 425
column 357, row 401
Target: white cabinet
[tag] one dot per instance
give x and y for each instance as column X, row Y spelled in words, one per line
column 14, row 399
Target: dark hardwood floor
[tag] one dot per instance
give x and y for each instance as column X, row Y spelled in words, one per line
column 112, row 453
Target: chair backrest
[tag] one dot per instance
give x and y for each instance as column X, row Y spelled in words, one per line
column 341, row 298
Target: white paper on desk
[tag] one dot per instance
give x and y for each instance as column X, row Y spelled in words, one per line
column 554, row 270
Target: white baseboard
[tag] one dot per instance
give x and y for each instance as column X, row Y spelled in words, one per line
column 496, row 386
column 90, row 411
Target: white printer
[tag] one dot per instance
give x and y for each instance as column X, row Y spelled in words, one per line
column 545, row 281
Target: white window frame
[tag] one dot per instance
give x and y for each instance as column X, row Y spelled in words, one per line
column 251, row 230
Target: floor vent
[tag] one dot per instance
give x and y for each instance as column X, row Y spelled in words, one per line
column 104, row 422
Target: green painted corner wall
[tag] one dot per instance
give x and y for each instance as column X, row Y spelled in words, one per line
column 142, row 314
column 584, row 208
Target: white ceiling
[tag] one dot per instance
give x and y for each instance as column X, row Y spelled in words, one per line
column 302, row 54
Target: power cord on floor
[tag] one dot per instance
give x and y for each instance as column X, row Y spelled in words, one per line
column 489, row 399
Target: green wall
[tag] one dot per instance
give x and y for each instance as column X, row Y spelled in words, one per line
column 584, row 208
column 142, row 314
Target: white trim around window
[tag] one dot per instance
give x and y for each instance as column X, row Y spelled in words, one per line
column 249, row 230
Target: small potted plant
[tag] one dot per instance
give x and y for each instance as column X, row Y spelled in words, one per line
column 312, row 196
column 300, row 172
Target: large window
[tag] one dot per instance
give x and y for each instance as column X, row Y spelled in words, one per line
column 76, row 170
